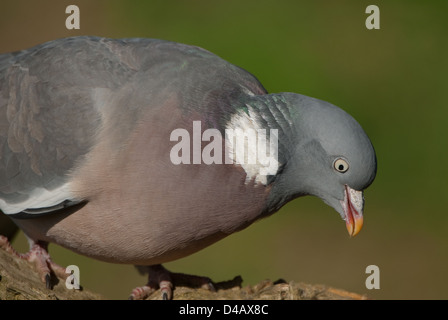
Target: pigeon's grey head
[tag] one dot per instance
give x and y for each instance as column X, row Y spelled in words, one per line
column 331, row 157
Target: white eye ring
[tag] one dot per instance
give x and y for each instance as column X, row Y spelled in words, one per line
column 340, row 165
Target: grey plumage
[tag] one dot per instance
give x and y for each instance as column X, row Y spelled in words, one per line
column 86, row 122
column 49, row 94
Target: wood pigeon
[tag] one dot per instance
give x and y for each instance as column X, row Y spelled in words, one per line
column 144, row 151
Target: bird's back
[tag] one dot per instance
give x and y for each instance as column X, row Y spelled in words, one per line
column 55, row 99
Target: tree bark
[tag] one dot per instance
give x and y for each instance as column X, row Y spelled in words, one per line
column 19, row 281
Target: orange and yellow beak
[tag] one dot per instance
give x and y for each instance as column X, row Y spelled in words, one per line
column 353, row 205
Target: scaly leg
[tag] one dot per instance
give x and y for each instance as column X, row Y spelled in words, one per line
column 38, row 255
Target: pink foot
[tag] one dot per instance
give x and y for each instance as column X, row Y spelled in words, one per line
column 38, row 255
column 161, row 278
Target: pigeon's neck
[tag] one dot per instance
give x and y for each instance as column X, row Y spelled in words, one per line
column 273, row 111
column 281, row 118
column 257, row 135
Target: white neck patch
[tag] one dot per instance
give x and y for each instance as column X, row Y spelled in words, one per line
column 249, row 145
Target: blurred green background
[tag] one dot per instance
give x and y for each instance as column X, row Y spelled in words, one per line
column 392, row 80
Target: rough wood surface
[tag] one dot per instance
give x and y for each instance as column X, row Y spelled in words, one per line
column 19, row 281
column 265, row 290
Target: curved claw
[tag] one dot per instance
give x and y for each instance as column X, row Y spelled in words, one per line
column 48, row 281
column 39, row 256
column 209, row 286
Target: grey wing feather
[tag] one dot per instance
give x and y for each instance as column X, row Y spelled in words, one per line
column 47, row 118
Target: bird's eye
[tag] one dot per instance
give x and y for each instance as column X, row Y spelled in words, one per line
column 340, row 165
